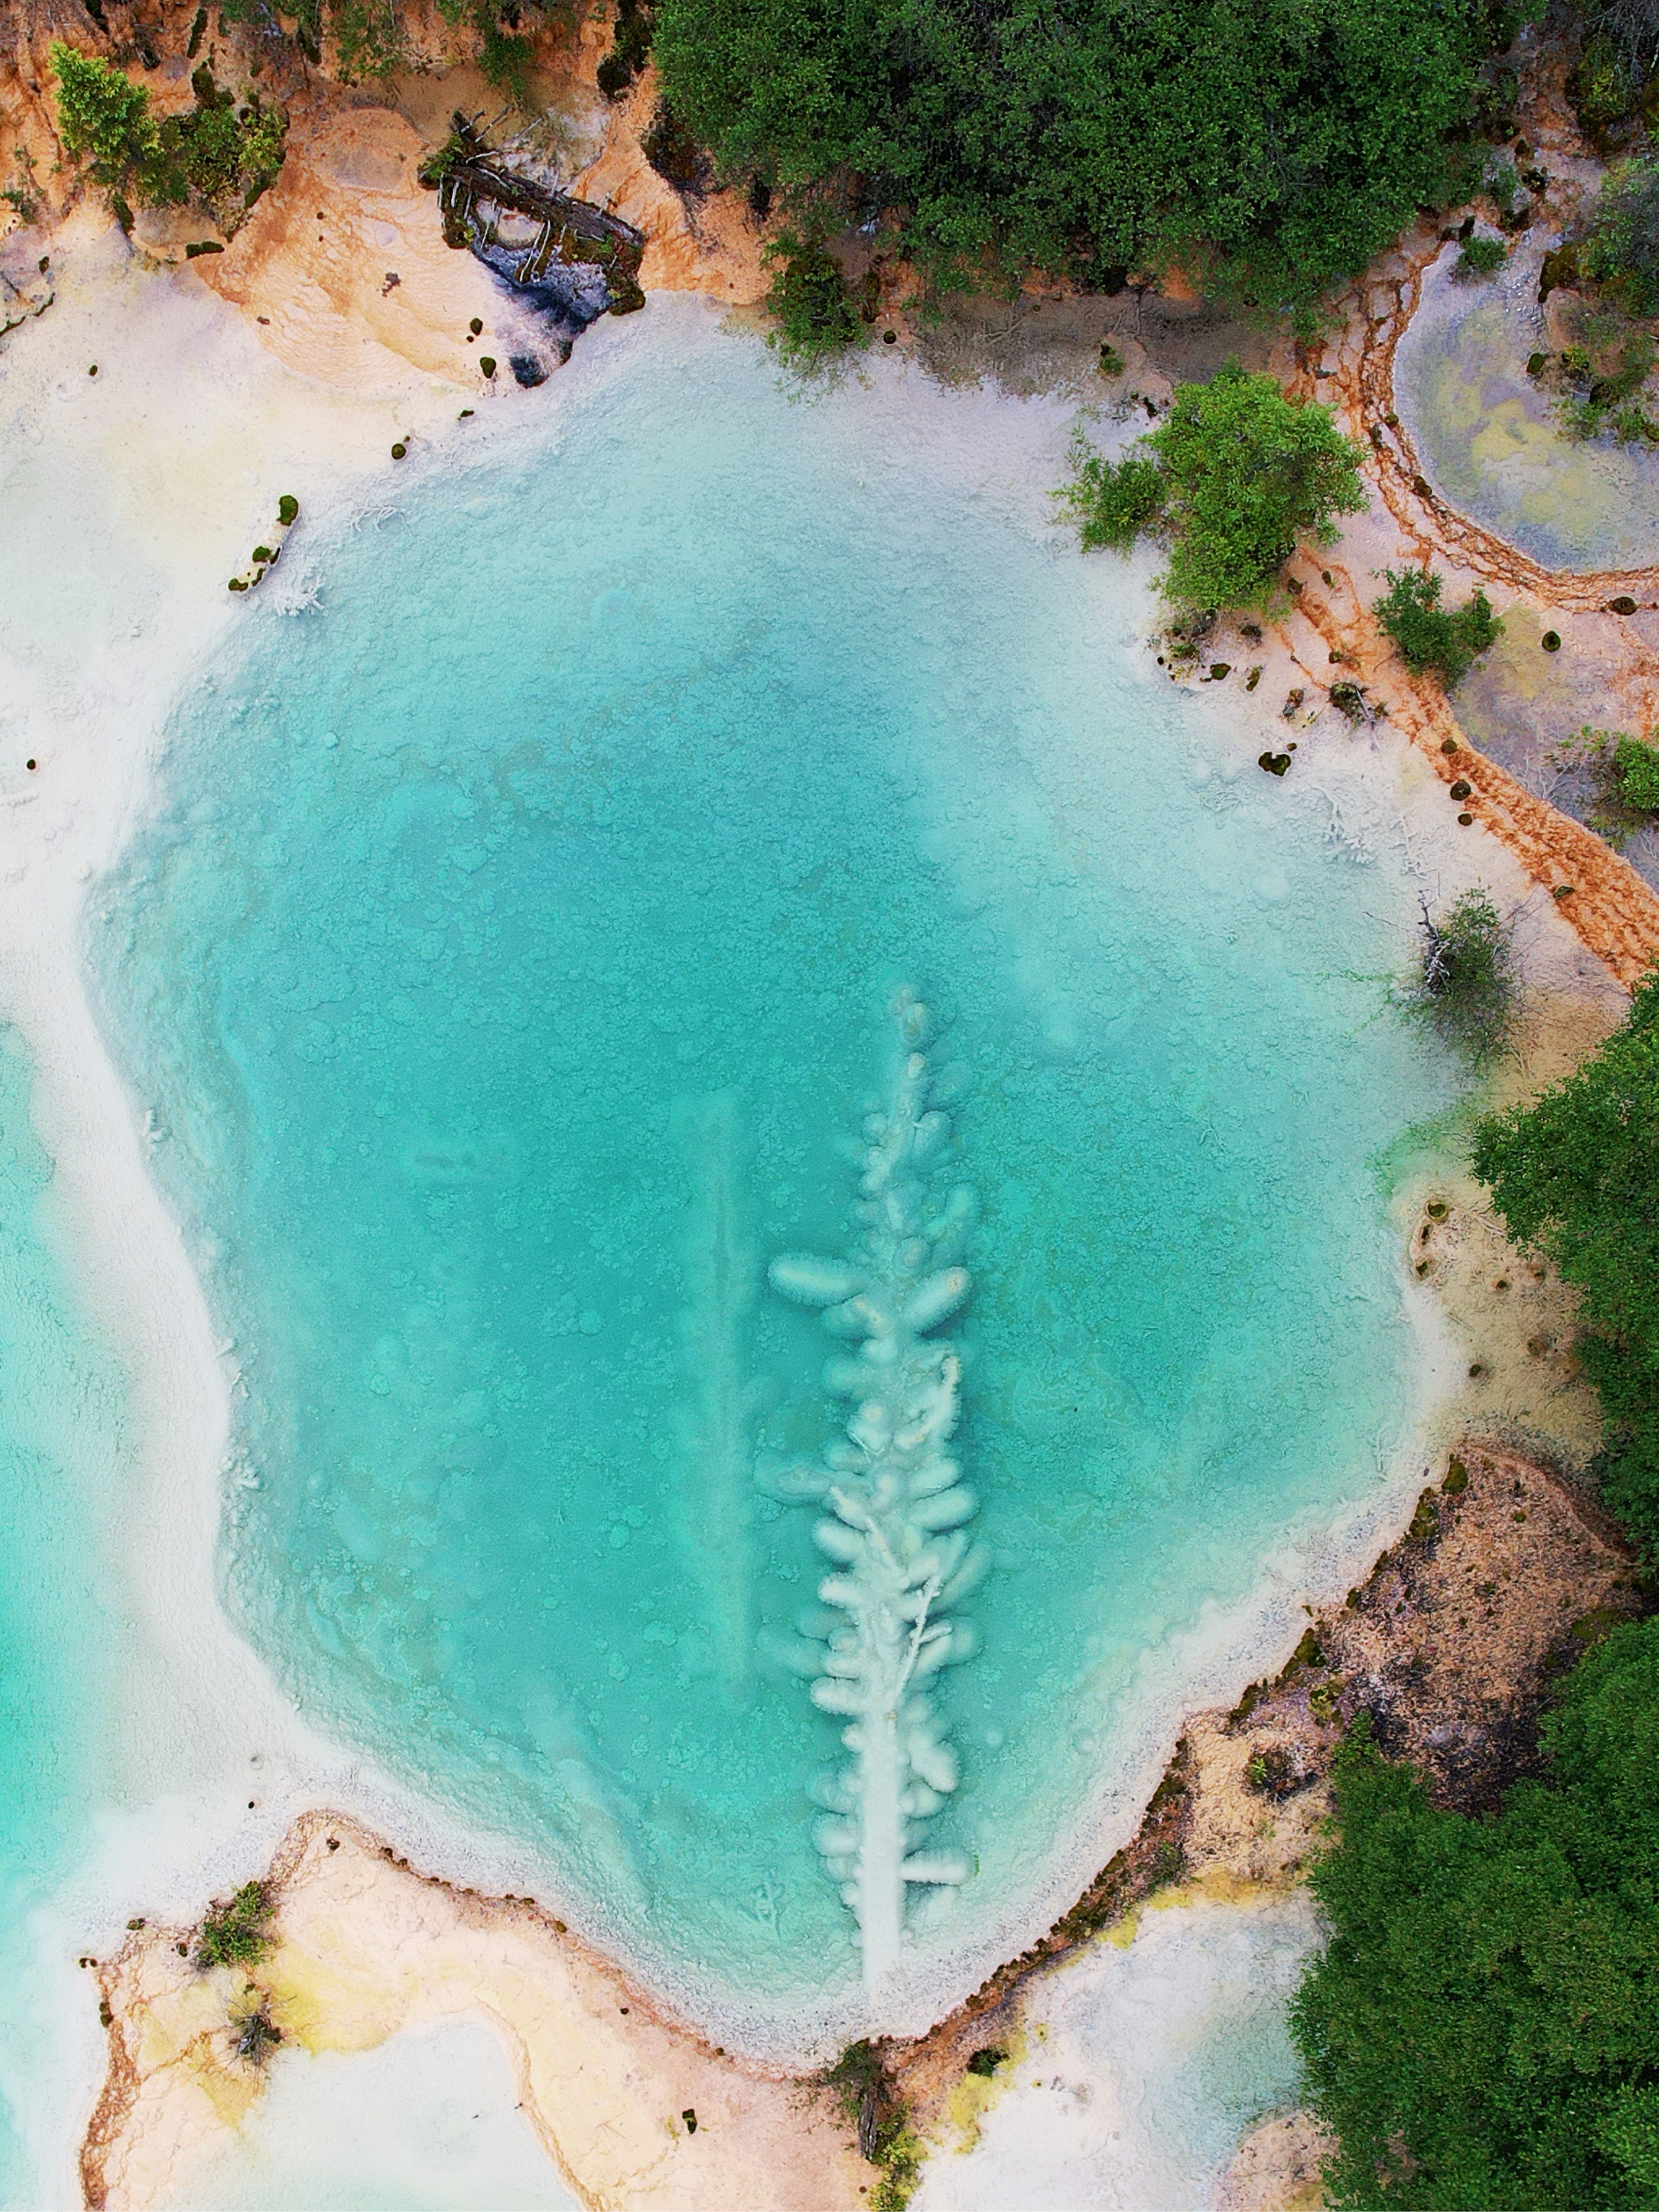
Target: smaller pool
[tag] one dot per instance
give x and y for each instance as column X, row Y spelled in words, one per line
column 1486, row 433
column 428, row 2122
column 1150, row 2063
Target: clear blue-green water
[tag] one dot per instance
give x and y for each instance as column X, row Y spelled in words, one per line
column 508, row 954
column 61, row 1455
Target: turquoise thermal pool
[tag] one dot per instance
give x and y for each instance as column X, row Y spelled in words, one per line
column 509, row 966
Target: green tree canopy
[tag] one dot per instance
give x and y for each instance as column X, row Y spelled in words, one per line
column 221, row 152
column 102, row 115
column 1233, row 475
column 1482, row 2031
column 1246, row 472
column 1577, row 1175
column 1622, row 250
column 1293, row 137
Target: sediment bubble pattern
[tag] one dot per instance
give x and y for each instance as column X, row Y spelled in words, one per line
column 896, row 1508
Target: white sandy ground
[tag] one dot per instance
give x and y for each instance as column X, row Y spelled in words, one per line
column 430, row 2121
column 1136, row 2068
column 126, row 500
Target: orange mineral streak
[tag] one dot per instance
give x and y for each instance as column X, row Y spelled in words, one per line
column 1614, row 912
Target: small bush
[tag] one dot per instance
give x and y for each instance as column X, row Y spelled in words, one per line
column 1113, row 502
column 1482, row 257
column 1427, row 635
column 236, row 1933
column 1463, row 987
column 1621, row 251
column 813, row 315
column 102, row 115
column 1624, row 777
column 1638, row 768
column 257, row 2034
column 1601, row 375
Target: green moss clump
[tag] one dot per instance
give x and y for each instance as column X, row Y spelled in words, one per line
column 236, row 1932
column 1457, row 1477
column 288, row 510
column 985, row 2063
column 1425, row 1522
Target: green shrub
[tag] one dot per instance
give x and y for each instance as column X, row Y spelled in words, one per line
column 1574, row 1177
column 236, row 1933
column 1246, row 472
column 1483, row 2030
column 1637, row 766
column 217, row 152
column 1427, row 635
column 1482, row 257
column 1621, row 251
column 811, row 308
column 1623, row 775
column 106, row 117
column 1463, row 987
column 1113, row 502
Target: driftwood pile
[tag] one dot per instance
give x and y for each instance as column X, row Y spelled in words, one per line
column 578, row 260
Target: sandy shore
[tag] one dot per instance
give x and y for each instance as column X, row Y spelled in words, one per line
column 634, row 2110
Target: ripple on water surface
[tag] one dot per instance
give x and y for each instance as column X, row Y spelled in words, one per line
column 507, row 965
